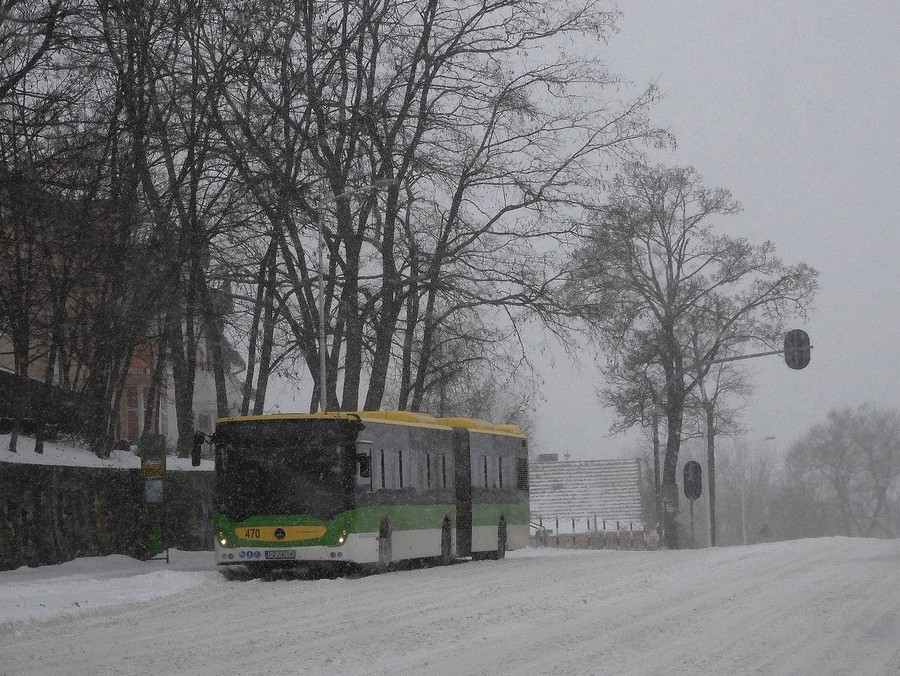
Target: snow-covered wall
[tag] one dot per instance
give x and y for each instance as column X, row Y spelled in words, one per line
column 51, row 513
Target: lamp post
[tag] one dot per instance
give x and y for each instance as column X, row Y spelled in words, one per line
column 743, row 481
column 376, row 185
column 743, row 512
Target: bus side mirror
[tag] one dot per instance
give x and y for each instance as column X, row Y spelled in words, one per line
column 199, row 438
column 364, row 471
column 363, row 466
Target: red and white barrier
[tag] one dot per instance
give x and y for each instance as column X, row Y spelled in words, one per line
column 595, row 533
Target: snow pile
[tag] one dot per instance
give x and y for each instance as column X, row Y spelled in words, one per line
column 70, row 454
column 29, row 595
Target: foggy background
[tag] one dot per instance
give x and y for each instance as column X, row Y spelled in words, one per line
column 793, row 108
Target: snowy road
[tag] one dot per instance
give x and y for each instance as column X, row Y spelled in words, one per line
column 826, row 606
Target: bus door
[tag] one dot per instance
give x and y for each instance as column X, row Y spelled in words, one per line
column 463, row 481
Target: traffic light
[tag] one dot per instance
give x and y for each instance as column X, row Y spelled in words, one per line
column 796, row 349
column 693, row 481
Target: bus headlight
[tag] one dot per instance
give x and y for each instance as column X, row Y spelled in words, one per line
column 343, row 537
column 222, row 539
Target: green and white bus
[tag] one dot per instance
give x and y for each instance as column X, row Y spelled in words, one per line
column 371, row 487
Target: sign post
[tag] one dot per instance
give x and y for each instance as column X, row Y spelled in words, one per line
column 153, row 468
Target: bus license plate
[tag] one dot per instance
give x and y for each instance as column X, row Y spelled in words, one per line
column 281, row 554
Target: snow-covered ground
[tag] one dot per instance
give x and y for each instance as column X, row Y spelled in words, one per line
column 825, row 606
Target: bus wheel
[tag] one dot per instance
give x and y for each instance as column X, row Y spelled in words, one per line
column 446, row 541
column 384, row 544
column 501, row 538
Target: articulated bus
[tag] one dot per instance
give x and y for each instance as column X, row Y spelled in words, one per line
column 371, row 487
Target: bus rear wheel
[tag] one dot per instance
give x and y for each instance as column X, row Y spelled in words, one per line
column 501, row 538
column 446, row 541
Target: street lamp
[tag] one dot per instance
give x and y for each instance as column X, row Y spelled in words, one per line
column 743, row 512
column 743, row 481
column 376, row 185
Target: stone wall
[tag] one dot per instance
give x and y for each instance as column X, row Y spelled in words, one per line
column 52, row 514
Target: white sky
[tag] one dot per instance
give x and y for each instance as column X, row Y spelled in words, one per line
column 793, row 106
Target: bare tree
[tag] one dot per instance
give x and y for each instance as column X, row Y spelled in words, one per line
column 29, row 30
column 653, row 267
column 490, row 147
column 854, row 459
column 159, row 55
column 746, row 488
column 23, row 226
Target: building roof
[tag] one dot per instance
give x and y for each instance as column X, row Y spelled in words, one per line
column 605, row 489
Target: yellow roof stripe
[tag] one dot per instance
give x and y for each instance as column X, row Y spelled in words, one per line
column 476, row 425
column 391, row 417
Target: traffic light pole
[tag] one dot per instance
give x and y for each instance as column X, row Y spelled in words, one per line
column 796, row 353
column 722, row 360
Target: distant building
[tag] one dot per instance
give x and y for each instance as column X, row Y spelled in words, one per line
column 138, row 389
column 586, row 489
column 35, row 229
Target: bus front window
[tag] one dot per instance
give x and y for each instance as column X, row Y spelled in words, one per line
column 284, row 467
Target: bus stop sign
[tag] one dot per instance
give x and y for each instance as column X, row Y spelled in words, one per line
column 153, row 467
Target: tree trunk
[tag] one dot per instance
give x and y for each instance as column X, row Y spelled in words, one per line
column 265, row 356
column 353, row 339
column 254, row 336
column 674, row 420
column 418, row 392
column 21, row 358
column 213, row 324
column 151, row 407
column 183, row 381
column 114, row 424
column 40, row 409
column 383, row 343
column 656, row 477
column 709, row 408
column 412, row 320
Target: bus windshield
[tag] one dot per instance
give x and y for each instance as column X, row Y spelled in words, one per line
column 279, row 467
